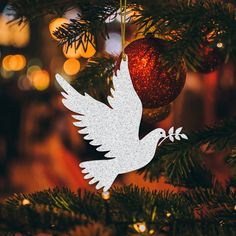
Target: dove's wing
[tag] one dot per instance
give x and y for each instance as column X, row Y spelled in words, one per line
column 125, row 101
column 110, row 128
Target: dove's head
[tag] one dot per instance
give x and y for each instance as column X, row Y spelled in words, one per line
column 161, row 133
column 155, row 137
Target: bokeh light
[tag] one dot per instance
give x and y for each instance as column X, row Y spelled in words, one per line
column 31, row 70
column 5, row 63
column 88, row 49
column 23, row 83
column 140, row 227
column 25, row 202
column 4, row 31
column 168, row 214
column 13, row 34
column 220, row 45
column 6, row 74
column 20, row 35
column 113, row 44
column 151, row 231
column 71, row 66
column 40, row 79
column 71, row 52
column 87, row 53
column 106, row 195
column 14, row 62
column 55, row 24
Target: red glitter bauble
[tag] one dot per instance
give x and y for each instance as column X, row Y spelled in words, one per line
column 154, row 84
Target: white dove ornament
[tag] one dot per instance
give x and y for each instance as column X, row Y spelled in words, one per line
column 114, row 129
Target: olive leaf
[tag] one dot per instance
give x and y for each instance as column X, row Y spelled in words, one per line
column 171, row 131
column 183, row 136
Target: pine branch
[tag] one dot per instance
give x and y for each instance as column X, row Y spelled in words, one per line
column 182, row 163
column 49, row 210
column 61, row 210
column 90, row 23
column 147, row 206
column 187, row 24
column 30, row 10
column 214, row 200
column 62, row 199
column 95, row 79
column 231, row 159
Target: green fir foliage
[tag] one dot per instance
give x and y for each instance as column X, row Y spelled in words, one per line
column 204, row 207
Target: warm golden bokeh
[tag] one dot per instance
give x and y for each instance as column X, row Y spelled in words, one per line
column 71, row 51
column 71, row 66
column 31, row 70
column 87, row 53
column 14, row 62
column 55, row 24
column 20, row 35
column 87, row 49
column 25, row 202
column 4, row 31
column 13, row 34
column 40, row 79
column 5, row 63
column 106, row 195
column 140, row 227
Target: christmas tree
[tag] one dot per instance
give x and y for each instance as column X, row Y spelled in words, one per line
column 180, row 35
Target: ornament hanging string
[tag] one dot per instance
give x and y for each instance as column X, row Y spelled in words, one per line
column 122, row 26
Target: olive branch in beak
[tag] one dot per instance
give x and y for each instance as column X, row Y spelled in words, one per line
column 172, row 135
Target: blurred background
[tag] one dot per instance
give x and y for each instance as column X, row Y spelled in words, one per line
column 39, row 146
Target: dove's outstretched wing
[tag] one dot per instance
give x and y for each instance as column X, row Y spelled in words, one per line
column 110, row 128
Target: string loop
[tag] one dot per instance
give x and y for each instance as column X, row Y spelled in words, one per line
column 122, row 26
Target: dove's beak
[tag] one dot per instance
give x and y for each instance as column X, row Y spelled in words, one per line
column 164, row 136
column 162, row 139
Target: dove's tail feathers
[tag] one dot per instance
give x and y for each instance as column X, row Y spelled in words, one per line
column 99, row 172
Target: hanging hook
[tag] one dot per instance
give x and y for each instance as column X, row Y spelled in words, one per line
column 122, row 26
